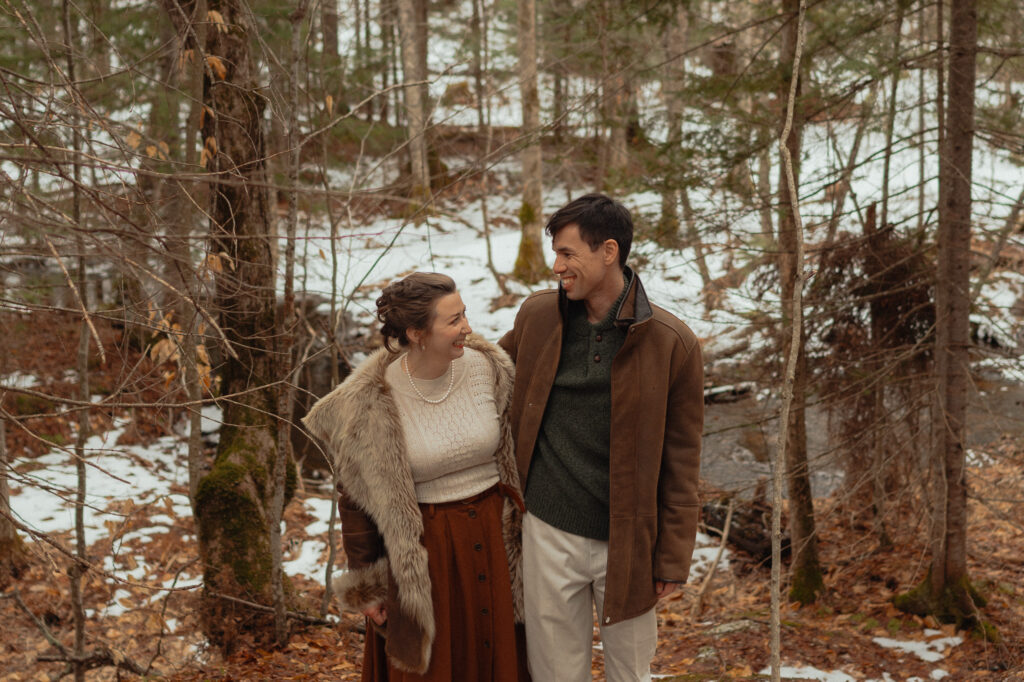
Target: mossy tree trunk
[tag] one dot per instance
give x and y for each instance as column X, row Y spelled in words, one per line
column 946, row 591
column 530, row 265
column 805, row 574
column 233, row 501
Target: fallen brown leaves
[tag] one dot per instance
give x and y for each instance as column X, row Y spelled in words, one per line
column 728, row 641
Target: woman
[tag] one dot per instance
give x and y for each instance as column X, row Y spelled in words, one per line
column 430, row 504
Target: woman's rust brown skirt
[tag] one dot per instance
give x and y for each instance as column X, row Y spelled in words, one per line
column 477, row 639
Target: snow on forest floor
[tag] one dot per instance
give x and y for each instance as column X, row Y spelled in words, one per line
column 136, row 500
column 139, row 525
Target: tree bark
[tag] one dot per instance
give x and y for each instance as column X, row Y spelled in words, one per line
column 233, row 501
column 530, row 265
column 672, row 76
column 946, row 592
column 285, row 326
column 414, row 72
column 13, row 559
column 805, row 572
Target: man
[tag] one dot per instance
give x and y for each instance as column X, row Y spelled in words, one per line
column 607, row 414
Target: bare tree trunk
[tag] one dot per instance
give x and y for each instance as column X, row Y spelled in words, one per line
column 560, row 13
column 764, row 191
column 890, row 119
column 415, row 75
column 13, row 559
column 234, row 500
column 806, row 579
column 329, row 28
column 874, row 270
column 946, row 592
column 695, row 242
column 843, row 183
column 285, row 325
column 530, row 265
column 791, row 273
column 672, row 80
column 76, row 571
column 922, row 101
column 481, row 61
column 189, row 201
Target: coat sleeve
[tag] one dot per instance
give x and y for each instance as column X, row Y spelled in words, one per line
column 365, row 582
column 678, row 501
column 359, row 536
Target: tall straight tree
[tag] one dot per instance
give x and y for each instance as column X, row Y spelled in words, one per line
column 412, row 39
column 805, row 579
column 946, row 592
column 233, row 501
column 530, row 265
column 13, row 558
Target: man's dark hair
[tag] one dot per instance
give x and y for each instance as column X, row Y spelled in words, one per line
column 599, row 218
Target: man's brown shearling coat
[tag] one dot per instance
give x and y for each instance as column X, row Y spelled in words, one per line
column 657, row 417
column 381, row 521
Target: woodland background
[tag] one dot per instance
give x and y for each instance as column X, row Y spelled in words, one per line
column 200, row 201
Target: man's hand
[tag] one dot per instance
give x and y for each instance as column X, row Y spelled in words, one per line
column 377, row 613
column 663, row 589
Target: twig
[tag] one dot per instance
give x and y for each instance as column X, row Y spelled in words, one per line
column 312, row 620
column 698, row 603
column 78, row 297
column 163, row 613
column 39, row 624
column 100, row 657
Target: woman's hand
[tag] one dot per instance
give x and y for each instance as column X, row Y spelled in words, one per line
column 377, row 613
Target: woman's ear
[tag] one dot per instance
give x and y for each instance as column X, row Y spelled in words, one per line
column 415, row 336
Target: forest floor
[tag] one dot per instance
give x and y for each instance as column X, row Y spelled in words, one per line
column 853, row 631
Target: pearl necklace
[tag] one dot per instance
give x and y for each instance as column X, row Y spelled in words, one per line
column 451, row 381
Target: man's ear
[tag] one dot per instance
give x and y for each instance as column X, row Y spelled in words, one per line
column 611, row 252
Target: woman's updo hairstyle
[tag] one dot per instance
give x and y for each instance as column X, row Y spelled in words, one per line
column 409, row 304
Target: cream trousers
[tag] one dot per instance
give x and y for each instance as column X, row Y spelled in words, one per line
column 563, row 580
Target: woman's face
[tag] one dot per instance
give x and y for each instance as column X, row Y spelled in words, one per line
column 446, row 336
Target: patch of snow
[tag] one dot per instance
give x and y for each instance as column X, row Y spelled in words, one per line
column 310, row 561
column 800, row 672
column 212, row 418
column 320, row 507
column 19, row 379
column 930, row 650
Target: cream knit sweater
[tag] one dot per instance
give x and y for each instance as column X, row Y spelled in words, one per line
column 449, row 445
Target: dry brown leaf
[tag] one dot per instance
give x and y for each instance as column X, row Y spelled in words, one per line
column 217, row 66
column 218, row 20
column 163, row 350
column 133, row 139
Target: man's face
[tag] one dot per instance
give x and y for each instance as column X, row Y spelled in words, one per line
column 581, row 270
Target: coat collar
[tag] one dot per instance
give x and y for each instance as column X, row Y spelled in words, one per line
column 634, row 308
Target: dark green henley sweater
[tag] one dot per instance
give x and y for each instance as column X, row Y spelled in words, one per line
column 568, row 482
